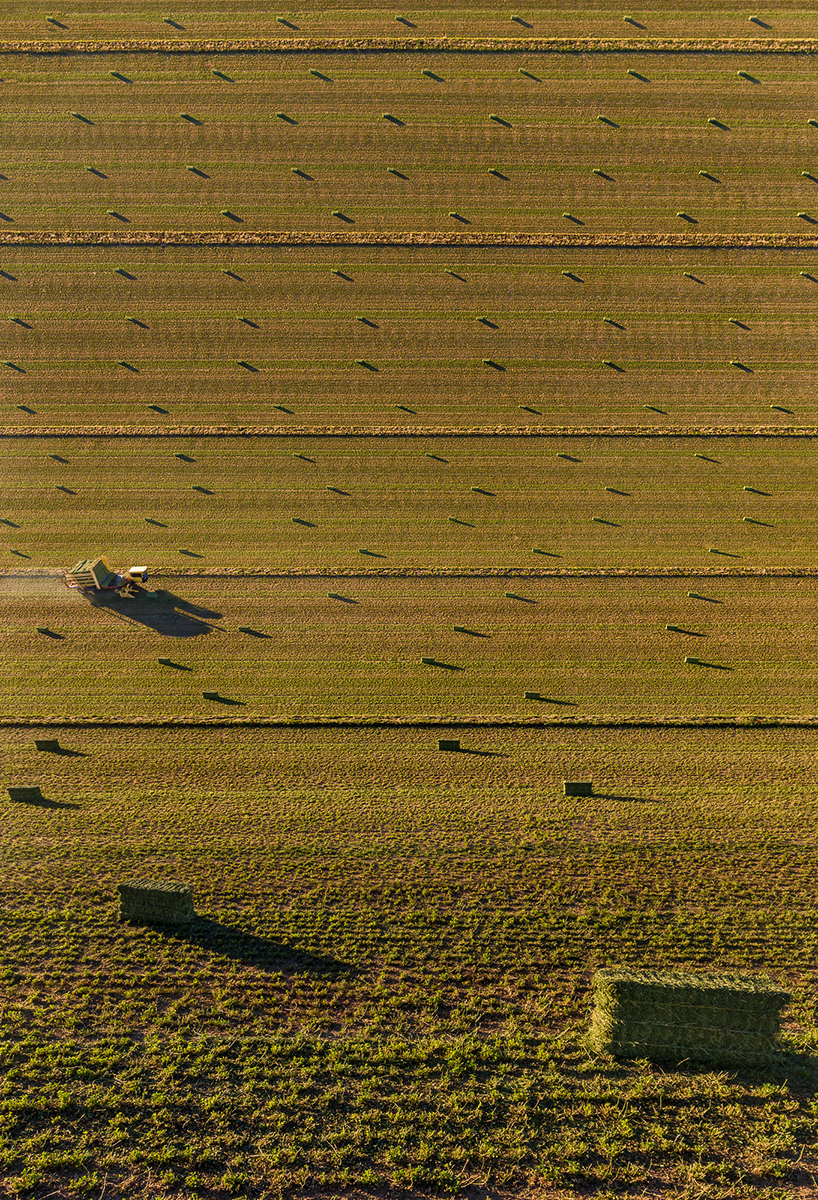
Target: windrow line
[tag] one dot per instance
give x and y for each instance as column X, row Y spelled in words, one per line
column 622, row 240
column 445, row 572
column 449, row 45
column 416, row 431
column 417, row 722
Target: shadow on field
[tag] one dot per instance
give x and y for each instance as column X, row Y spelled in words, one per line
column 44, row 802
column 631, row 799
column 255, row 951
column 799, row 1071
column 162, row 611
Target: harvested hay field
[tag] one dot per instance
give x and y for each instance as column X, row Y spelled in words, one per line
column 211, row 21
column 400, row 337
column 386, row 930
column 716, row 144
column 388, row 985
column 417, row 648
column 297, row 503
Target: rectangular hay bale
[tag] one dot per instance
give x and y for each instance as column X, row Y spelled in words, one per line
column 576, row 787
column 448, row 744
column 156, row 901
column 47, row 744
column 727, row 1019
column 22, row 795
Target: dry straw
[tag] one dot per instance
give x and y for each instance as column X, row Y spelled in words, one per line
column 727, row 1019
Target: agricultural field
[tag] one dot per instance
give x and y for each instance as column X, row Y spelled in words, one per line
column 317, row 648
column 99, row 19
column 556, row 501
column 303, row 503
column 388, row 984
column 407, row 337
column 618, row 143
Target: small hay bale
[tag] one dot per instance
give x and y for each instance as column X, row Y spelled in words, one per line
column 448, row 744
column 155, row 902
column 51, row 744
column 727, row 1019
column 25, row 795
column 576, row 787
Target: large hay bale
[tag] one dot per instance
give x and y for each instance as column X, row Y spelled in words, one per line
column 728, row 1019
column 25, row 795
column 577, row 787
column 155, row 902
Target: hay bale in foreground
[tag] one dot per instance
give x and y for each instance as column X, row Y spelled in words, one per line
column 728, row 1019
column 25, row 795
column 155, row 902
column 577, row 787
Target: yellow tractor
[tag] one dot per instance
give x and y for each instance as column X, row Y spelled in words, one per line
column 96, row 575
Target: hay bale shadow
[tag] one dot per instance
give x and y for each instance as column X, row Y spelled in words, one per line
column 44, row 802
column 253, row 949
column 628, row 799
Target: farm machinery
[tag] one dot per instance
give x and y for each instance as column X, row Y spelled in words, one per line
column 96, row 575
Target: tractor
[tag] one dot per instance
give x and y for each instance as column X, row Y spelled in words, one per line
column 95, row 575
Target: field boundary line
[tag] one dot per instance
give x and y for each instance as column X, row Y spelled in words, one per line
column 411, row 431
column 416, row 722
column 442, row 43
column 306, row 237
column 249, row 573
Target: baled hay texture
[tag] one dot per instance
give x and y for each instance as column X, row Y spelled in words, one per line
column 675, row 1014
column 159, row 900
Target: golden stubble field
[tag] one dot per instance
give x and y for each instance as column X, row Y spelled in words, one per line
column 439, row 337
column 585, row 647
column 149, row 20
column 293, row 503
column 555, row 143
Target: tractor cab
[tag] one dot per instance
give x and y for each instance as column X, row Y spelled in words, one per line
column 97, row 575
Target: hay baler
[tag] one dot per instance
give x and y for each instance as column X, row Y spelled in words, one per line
column 96, row 575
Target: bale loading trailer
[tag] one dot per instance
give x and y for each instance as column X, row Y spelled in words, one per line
column 96, row 575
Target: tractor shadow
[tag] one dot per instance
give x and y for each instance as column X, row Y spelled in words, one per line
column 254, row 950
column 161, row 611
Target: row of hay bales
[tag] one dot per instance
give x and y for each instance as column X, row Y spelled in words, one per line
column 725, row 1019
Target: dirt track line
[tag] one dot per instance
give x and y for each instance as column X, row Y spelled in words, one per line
column 454, row 45
column 418, row 722
column 249, row 573
column 290, row 237
column 419, row 431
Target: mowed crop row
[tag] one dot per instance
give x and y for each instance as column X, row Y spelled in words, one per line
column 289, row 503
column 406, row 336
column 391, row 976
column 413, row 648
column 211, row 19
column 556, row 143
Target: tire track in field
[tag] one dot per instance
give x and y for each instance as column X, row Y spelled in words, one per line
column 442, row 43
column 416, row 431
column 250, row 573
column 294, row 237
column 416, row 722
